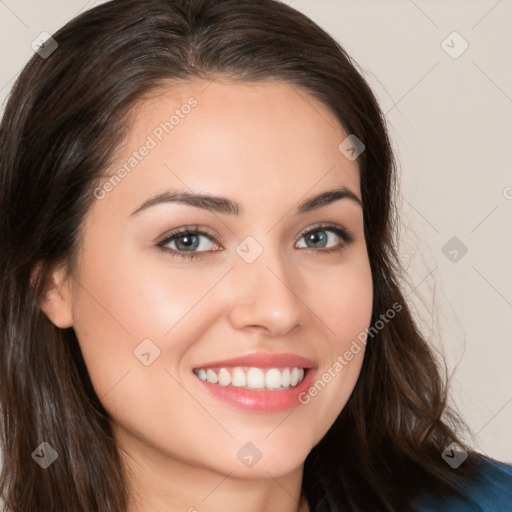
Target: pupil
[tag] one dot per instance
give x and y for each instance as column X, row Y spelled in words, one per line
column 316, row 237
column 187, row 241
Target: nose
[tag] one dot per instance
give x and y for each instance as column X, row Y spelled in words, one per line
column 266, row 296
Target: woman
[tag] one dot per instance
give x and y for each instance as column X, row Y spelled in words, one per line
column 200, row 305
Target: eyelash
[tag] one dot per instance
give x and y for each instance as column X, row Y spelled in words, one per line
column 342, row 233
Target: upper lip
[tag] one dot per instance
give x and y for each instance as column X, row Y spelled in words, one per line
column 261, row 360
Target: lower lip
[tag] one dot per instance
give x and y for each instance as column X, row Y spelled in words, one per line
column 261, row 400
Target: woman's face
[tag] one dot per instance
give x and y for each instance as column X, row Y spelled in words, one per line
column 155, row 315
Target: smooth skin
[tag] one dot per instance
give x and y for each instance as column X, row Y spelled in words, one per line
column 268, row 146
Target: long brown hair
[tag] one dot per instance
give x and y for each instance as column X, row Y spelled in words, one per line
column 62, row 124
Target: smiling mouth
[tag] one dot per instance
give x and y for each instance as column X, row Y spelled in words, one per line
column 253, row 378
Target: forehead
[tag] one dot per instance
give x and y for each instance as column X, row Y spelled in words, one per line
column 253, row 141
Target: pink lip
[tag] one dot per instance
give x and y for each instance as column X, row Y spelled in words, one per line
column 262, row 400
column 263, row 361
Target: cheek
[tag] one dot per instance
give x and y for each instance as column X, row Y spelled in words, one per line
column 168, row 307
column 343, row 301
column 342, row 297
column 126, row 300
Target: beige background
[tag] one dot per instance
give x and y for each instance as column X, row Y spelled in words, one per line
column 450, row 122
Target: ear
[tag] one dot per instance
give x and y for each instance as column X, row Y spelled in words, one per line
column 55, row 301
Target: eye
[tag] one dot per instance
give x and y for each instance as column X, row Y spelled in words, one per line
column 186, row 241
column 318, row 239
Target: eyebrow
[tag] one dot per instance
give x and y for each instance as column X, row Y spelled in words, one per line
column 223, row 205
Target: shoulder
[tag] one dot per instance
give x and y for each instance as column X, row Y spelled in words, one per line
column 490, row 491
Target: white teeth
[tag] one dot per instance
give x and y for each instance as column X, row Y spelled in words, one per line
column 294, row 377
column 239, row 378
column 253, row 378
column 285, row 377
column 211, row 376
column 224, row 377
column 273, row 379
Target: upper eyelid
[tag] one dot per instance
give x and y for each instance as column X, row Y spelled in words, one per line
column 188, row 229
column 322, row 225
